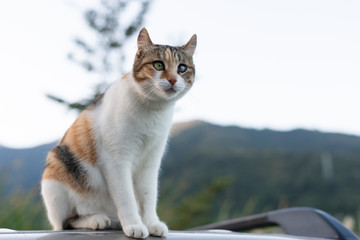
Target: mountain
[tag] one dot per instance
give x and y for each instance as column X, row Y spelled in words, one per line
column 21, row 168
column 262, row 169
column 268, row 169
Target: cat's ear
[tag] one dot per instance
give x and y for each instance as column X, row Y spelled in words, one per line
column 144, row 40
column 190, row 46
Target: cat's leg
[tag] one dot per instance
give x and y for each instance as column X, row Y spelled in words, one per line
column 90, row 212
column 120, row 184
column 59, row 208
column 91, row 206
column 56, row 199
column 146, row 184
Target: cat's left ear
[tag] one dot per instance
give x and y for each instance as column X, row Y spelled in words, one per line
column 144, row 40
column 190, row 46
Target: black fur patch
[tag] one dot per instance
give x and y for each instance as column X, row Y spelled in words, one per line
column 71, row 162
column 67, row 224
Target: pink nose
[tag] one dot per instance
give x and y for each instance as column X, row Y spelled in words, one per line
column 172, row 81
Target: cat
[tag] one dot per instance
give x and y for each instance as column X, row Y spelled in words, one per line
column 104, row 171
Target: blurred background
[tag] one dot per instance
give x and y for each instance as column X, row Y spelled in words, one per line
column 271, row 121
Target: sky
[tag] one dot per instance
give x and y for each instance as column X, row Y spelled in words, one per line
column 276, row 64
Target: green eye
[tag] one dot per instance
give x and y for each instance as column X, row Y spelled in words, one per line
column 158, row 65
column 182, row 68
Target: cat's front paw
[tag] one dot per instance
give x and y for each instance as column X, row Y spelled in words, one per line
column 158, row 229
column 136, row 231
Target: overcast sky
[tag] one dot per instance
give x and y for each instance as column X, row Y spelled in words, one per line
column 260, row 63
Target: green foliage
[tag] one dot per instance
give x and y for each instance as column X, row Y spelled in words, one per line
column 22, row 211
column 78, row 106
column 192, row 210
column 106, row 56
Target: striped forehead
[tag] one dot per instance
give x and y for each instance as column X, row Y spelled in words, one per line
column 171, row 56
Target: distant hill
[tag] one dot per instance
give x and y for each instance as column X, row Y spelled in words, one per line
column 265, row 169
column 269, row 169
column 21, row 168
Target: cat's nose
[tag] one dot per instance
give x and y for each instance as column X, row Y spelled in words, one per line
column 172, row 81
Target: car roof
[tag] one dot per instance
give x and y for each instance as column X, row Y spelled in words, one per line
column 119, row 235
column 298, row 223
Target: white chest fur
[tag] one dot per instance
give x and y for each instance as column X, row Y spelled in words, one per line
column 127, row 122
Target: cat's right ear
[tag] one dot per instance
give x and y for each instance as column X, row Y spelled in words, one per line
column 144, row 40
column 190, row 46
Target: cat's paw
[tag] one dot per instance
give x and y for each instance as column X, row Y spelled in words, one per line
column 100, row 222
column 97, row 221
column 136, row 231
column 158, row 229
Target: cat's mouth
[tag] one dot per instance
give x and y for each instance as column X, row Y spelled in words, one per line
column 170, row 90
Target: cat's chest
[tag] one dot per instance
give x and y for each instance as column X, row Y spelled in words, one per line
column 137, row 131
column 147, row 133
column 130, row 126
column 149, row 125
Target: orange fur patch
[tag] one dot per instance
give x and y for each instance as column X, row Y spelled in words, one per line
column 169, row 56
column 148, row 71
column 80, row 138
column 55, row 170
column 171, row 70
column 125, row 76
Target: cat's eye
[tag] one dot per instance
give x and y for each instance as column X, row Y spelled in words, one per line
column 158, row 65
column 182, row 68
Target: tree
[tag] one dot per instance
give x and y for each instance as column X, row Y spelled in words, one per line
column 112, row 29
column 195, row 209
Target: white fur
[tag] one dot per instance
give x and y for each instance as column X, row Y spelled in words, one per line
column 131, row 128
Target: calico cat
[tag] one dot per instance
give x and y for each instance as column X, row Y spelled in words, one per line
column 104, row 171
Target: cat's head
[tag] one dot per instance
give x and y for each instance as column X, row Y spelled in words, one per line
column 163, row 72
